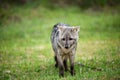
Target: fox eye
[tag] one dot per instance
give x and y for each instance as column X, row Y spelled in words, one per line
column 70, row 38
column 63, row 39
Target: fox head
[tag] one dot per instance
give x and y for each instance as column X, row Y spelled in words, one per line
column 68, row 36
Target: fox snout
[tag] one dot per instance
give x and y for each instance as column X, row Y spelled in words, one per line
column 66, row 46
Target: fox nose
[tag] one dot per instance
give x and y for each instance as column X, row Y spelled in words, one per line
column 66, row 46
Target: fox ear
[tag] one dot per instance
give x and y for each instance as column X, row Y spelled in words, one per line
column 76, row 29
column 60, row 28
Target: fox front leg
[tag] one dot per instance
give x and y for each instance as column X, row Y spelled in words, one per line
column 61, row 66
column 72, row 71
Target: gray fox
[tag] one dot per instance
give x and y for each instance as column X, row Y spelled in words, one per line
column 64, row 40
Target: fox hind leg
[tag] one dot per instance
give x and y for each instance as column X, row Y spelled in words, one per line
column 56, row 62
column 65, row 65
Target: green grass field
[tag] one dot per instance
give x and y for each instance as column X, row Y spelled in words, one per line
column 26, row 52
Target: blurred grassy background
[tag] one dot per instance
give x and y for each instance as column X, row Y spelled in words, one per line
column 25, row 28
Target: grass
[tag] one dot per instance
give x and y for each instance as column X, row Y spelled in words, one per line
column 26, row 52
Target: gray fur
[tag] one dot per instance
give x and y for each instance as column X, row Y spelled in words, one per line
column 64, row 42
